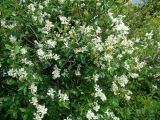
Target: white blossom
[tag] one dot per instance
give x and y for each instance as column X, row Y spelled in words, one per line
column 96, row 107
column 149, row 35
column 51, row 93
column 23, row 51
column 91, row 116
column 108, row 57
column 56, row 72
column 64, row 20
column 34, row 101
column 22, row 74
column 114, row 88
column 122, row 80
column 127, row 97
column 122, row 28
column 56, row 57
column 111, row 115
column 37, row 116
column 41, row 109
column 33, row 88
column 31, row 7
column 49, row 24
column 68, row 118
column 40, row 52
column 96, row 77
column 140, row 65
column 61, row 1
column 27, row 62
column 13, row 72
column 62, row 96
column 18, row 73
column 134, row 75
column 12, row 38
column 51, row 43
column 99, row 93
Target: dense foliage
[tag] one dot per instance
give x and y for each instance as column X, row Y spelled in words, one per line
column 78, row 60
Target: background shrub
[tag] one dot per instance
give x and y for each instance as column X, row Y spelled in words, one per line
column 76, row 60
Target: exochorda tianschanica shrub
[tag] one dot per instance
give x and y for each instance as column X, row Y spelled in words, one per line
column 72, row 60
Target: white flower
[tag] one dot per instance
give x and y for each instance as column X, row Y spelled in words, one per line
column 61, row 1
column 33, row 88
column 56, row 72
column 27, row 62
column 34, row 18
column 77, row 72
column 114, row 88
column 46, row 2
column 31, row 7
column 48, row 24
column 56, row 57
column 154, row 86
column 122, row 28
column 96, row 77
column 82, row 50
column 102, row 96
column 34, row 101
column 41, row 110
column 126, row 65
column 122, row 80
column 64, row 20
column 23, row 51
column 65, row 73
column 127, row 97
column 99, row 45
column 108, row 57
column 119, row 56
column 37, row 116
column 12, row 72
column 18, row 73
column 3, row 23
column 99, row 93
column 99, row 30
column 63, row 97
column 149, row 35
column 48, row 55
column 40, row 7
column 111, row 115
column 22, row 74
column 12, row 38
column 51, row 43
column 68, row 118
column 40, row 52
column 98, row 3
column 140, row 65
column 51, row 93
column 47, row 27
column 127, row 43
column 134, row 75
column 96, row 107
column 91, row 116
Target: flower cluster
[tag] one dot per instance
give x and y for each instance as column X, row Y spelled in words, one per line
column 21, row 74
column 41, row 110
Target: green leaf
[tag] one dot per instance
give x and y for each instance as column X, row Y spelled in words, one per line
column 11, row 82
column 7, row 46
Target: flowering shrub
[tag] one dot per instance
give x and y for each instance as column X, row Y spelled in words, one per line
column 73, row 60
